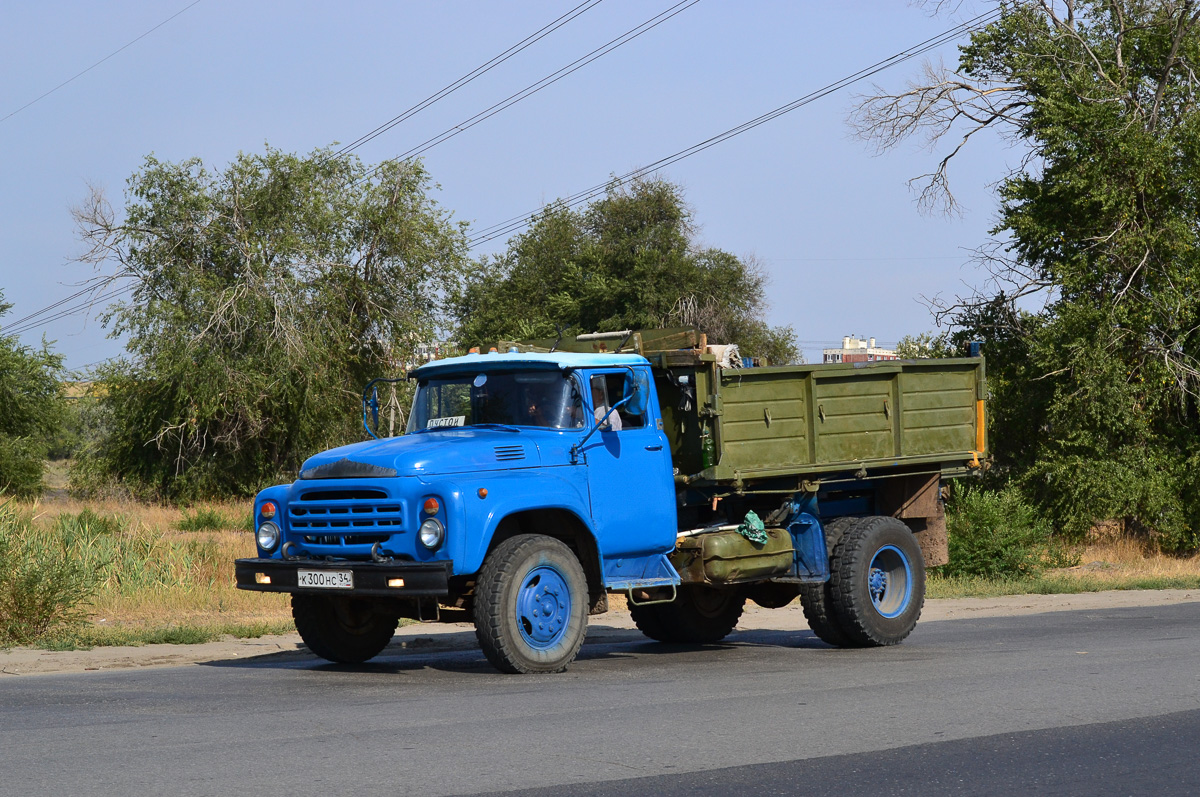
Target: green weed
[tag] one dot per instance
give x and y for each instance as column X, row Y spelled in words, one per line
column 997, row 535
column 84, row 638
column 45, row 585
column 940, row 586
column 209, row 519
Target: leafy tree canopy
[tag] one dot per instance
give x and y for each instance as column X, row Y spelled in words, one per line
column 1100, row 225
column 264, row 296
column 627, row 261
column 31, row 411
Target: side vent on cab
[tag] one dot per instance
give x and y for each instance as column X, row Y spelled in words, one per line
column 509, row 453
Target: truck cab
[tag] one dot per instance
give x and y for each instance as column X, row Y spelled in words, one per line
column 544, row 478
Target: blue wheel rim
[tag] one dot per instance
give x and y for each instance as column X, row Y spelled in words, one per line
column 889, row 581
column 543, row 607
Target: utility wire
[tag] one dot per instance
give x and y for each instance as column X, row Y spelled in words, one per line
column 64, row 313
column 519, row 222
column 470, row 76
column 516, row 223
column 102, row 60
column 49, row 307
column 537, row 86
column 482, row 69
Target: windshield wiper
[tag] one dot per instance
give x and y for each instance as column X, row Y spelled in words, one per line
column 503, row 427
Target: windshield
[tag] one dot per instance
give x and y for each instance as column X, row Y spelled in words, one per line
column 547, row 399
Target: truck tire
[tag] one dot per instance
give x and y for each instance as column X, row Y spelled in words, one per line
column 343, row 630
column 817, row 599
column 877, row 582
column 531, row 605
column 698, row 615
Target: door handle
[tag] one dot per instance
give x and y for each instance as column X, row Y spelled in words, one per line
column 654, row 448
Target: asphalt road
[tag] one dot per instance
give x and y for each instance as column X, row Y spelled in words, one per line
column 1084, row 702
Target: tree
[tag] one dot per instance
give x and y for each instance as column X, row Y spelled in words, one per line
column 925, row 345
column 32, row 402
column 264, row 296
column 627, row 261
column 1100, row 223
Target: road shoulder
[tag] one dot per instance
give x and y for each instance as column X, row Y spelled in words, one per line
column 614, row 626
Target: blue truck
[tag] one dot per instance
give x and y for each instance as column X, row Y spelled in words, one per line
column 531, row 484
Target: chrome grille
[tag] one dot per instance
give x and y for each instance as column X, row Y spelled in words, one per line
column 330, row 514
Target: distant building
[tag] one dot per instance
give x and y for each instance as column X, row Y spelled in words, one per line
column 428, row 352
column 857, row 351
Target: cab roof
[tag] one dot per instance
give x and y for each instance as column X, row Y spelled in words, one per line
column 507, row 361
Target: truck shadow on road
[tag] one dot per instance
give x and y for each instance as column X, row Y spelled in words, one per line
column 459, row 653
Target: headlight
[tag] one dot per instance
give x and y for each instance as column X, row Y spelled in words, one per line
column 431, row 534
column 267, row 536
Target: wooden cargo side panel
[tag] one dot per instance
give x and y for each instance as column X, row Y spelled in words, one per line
column 854, row 417
column 939, row 411
column 763, row 420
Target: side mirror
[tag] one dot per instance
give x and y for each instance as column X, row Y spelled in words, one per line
column 637, row 392
column 371, row 406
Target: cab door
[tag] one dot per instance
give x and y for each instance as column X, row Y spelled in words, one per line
column 630, row 477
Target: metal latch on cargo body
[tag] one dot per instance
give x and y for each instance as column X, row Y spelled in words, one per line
column 711, row 408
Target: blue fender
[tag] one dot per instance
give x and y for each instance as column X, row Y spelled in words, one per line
column 473, row 519
column 279, row 494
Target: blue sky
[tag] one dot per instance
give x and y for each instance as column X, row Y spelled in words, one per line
column 834, row 225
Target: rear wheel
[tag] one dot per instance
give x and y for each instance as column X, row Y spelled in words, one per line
column 698, row 615
column 531, row 604
column 877, row 582
column 817, row 599
column 343, row 630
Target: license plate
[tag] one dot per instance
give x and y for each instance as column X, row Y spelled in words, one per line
column 325, row 579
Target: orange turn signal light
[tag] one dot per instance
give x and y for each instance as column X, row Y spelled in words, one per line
column 431, row 506
column 268, row 510
column 483, row 492
column 262, row 578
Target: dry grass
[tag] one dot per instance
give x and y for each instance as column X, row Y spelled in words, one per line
column 1125, row 558
column 159, row 578
column 150, row 516
column 1112, row 564
column 164, row 583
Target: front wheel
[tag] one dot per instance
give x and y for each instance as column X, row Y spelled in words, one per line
column 531, row 605
column 343, row 630
column 698, row 615
column 877, row 582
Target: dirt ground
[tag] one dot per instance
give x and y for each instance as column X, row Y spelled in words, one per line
column 613, row 626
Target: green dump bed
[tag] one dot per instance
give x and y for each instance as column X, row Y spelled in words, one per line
column 813, row 420
column 737, row 425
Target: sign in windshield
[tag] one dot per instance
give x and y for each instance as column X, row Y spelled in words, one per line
column 546, row 399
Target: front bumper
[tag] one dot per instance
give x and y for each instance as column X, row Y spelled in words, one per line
column 421, row 579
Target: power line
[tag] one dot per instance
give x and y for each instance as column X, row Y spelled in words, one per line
column 480, row 70
column 64, row 313
column 75, row 295
column 516, row 223
column 83, row 368
column 519, row 222
column 832, row 343
column 858, row 259
column 487, row 66
column 102, row 60
column 537, row 86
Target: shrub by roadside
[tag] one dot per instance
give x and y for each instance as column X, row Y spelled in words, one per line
column 997, row 535
column 148, row 581
column 207, row 518
column 45, row 586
